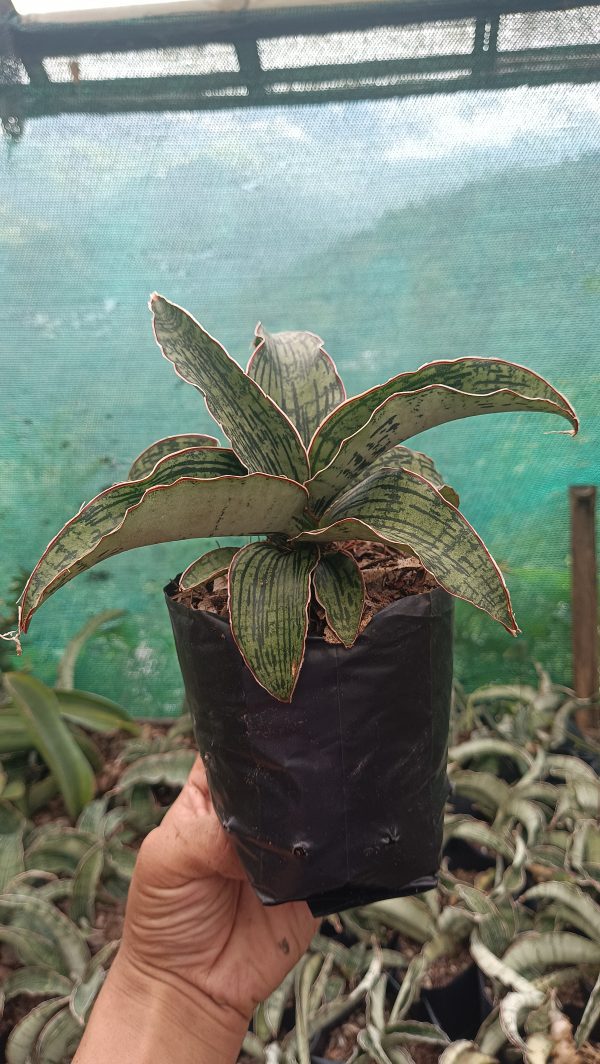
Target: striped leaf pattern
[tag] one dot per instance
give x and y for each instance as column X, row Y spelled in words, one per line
column 269, row 591
column 340, row 589
column 404, row 415
column 475, row 375
column 404, row 458
column 297, row 373
column 260, row 433
column 145, row 462
column 403, row 510
column 211, row 564
column 177, row 501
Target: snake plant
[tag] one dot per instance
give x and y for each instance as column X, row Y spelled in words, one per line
column 308, row 470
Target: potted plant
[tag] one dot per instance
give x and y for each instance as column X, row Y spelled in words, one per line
column 325, row 746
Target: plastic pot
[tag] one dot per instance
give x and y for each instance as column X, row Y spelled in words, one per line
column 460, row 1007
column 336, row 798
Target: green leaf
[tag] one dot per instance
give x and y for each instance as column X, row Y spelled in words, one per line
column 418, row 1031
column 30, row 947
column 84, row 995
column 37, row 981
column 297, row 373
column 145, row 462
column 479, row 834
column 408, row 915
column 494, row 968
column 260, row 433
column 339, row 587
column 572, row 898
column 465, row 1052
column 12, row 826
column 471, row 375
column 513, row 1010
column 402, row 416
column 85, row 885
column 590, row 1016
column 213, row 563
column 402, row 510
column 52, row 739
column 474, row 749
column 23, row 1038
column 485, row 789
column 59, row 1039
column 55, row 848
column 306, row 973
column 185, row 498
column 38, row 915
column 95, row 712
column 14, row 738
column 65, row 674
column 269, row 591
column 532, row 953
column 172, row 768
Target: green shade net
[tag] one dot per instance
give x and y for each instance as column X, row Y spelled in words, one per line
column 400, row 230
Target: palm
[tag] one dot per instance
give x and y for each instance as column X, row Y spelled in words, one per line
column 191, row 911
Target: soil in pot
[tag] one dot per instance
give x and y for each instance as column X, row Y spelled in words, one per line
column 388, row 576
column 337, row 796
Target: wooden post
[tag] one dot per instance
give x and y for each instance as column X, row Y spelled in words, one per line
column 584, row 601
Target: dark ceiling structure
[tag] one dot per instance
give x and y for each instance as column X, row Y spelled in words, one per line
column 252, row 56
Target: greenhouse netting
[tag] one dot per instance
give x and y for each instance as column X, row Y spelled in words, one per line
column 401, row 229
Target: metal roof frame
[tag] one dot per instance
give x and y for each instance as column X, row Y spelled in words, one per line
column 27, row 42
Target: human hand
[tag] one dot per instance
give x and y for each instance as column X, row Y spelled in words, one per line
column 198, row 946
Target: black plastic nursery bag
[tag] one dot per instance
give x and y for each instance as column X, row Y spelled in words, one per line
column 338, row 797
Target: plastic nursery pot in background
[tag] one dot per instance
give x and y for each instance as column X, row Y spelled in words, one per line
column 336, row 798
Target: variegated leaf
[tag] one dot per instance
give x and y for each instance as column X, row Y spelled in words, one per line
column 474, row 375
column 22, row 1039
column 269, row 591
column 404, row 458
column 297, row 373
column 85, row 993
column 59, row 1039
column 465, row 1052
column 172, row 768
column 85, row 885
column 404, row 415
column 34, row 914
column 213, row 563
column 532, row 953
column 260, row 433
column 339, row 587
column 570, row 897
column 403, row 510
column 188, row 496
column 145, row 462
column 36, row 981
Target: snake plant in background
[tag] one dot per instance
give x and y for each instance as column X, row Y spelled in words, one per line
column 46, row 741
column 307, row 469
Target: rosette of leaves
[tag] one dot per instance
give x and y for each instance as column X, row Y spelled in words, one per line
column 307, row 469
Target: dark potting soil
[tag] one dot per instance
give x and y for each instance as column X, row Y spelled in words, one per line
column 445, row 969
column 388, row 576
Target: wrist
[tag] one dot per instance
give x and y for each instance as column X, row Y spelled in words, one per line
column 157, row 1016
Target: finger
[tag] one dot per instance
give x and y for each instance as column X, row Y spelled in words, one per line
column 190, row 841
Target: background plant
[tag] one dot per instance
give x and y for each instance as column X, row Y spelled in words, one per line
column 517, row 897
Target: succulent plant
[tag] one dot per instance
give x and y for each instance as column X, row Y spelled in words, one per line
column 308, row 470
column 45, row 741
